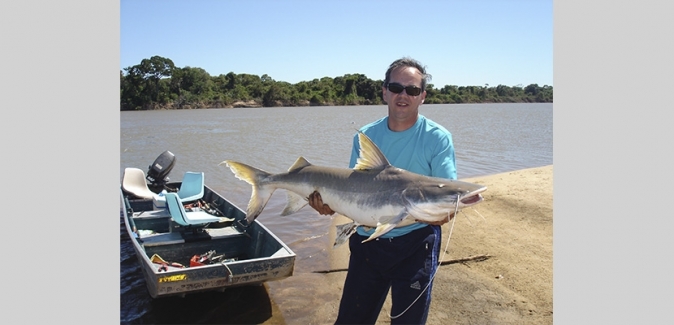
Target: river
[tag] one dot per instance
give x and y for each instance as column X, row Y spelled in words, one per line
column 488, row 139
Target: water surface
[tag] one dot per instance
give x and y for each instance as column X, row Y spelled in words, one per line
column 488, row 139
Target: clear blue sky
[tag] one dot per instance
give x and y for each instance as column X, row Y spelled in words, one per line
column 462, row 42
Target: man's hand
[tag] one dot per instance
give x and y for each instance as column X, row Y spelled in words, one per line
column 316, row 202
column 441, row 222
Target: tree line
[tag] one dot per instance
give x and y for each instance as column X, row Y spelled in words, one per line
column 156, row 83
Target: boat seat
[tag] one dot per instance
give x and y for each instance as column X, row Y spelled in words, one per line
column 183, row 218
column 192, row 186
column 133, row 182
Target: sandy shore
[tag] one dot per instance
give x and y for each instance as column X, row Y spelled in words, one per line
column 513, row 285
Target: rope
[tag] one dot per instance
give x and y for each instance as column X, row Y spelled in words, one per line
column 231, row 275
column 437, row 267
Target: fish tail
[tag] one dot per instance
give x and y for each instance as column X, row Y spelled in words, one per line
column 260, row 194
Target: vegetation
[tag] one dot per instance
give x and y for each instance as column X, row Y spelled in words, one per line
column 156, row 83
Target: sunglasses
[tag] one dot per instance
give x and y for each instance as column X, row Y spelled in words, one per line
column 398, row 88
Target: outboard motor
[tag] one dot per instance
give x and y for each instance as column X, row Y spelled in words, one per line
column 157, row 173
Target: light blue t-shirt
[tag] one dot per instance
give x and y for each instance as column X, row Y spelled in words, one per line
column 426, row 148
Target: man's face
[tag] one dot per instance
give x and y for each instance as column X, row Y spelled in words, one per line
column 403, row 107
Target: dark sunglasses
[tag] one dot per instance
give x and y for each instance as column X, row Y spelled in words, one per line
column 398, row 88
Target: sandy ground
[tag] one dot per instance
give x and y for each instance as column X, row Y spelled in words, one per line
column 512, row 286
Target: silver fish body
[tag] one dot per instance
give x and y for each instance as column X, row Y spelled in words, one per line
column 374, row 193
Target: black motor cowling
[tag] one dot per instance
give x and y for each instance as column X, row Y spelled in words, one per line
column 157, row 173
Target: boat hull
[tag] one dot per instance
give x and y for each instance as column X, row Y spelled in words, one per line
column 251, row 254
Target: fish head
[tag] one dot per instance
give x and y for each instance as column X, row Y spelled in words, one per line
column 433, row 200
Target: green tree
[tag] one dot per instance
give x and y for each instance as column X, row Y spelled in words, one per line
column 145, row 78
column 157, row 83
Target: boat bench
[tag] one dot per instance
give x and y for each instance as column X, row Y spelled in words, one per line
column 156, row 220
column 166, row 238
column 170, row 238
column 152, row 214
column 225, row 232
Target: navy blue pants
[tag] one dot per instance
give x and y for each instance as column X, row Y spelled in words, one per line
column 403, row 264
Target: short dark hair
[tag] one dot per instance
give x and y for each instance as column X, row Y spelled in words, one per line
column 408, row 62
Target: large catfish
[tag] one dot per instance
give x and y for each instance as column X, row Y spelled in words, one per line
column 374, row 193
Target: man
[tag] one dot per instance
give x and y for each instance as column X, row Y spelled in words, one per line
column 404, row 259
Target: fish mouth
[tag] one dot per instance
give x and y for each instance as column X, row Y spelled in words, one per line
column 473, row 197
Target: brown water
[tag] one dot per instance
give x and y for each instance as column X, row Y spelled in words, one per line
column 488, row 139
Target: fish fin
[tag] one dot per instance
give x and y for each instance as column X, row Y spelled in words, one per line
column 387, row 224
column 246, row 173
column 381, row 229
column 343, row 233
column 258, row 200
column 260, row 194
column 301, row 162
column 295, row 202
column 370, row 156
